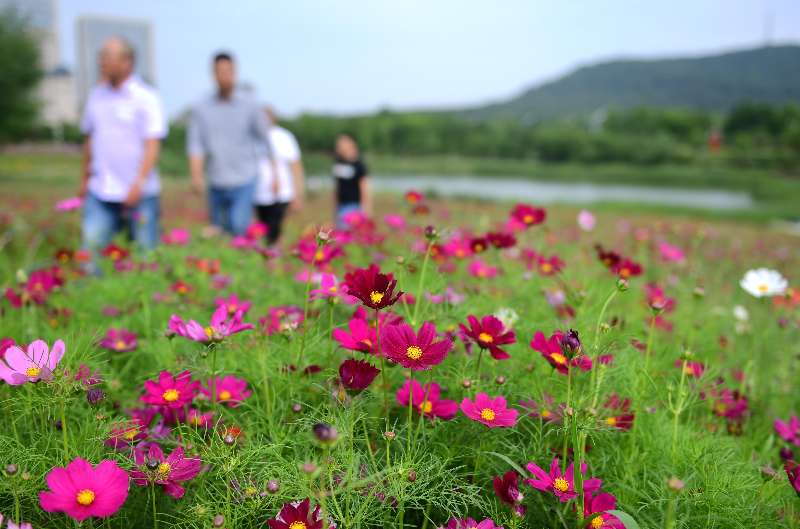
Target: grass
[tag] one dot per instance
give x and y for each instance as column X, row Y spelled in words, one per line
column 432, row 470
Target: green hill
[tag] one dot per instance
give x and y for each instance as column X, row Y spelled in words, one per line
column 717, row 82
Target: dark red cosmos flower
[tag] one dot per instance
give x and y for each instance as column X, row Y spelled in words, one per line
column 507, row 490
column 489, row 333
column 528, row 215
column 478, row 244
column 114, row 252
column 501, row 239
column 296, row 515
column 793, row 473
column 373, row 288
column 609, row 258
column 627, row 268
column 621, row 418
column 551, row 265
column 357, row 375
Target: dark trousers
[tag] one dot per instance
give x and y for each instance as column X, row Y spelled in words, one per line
column 272, row 216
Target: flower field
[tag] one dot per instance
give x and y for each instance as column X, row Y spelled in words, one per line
column 443, row 365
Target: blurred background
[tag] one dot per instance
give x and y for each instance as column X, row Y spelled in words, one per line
column 681, row 106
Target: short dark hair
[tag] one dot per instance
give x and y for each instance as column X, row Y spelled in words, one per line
column 223, row 56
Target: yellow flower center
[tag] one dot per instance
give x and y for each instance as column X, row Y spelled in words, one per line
column 487, row 414
column 527, row 219
column 546, row 268
column 546, row 414
column 558, row 358
column 485, row 337
column 611, row 421
column 333, row 289
column 129, row 435
column 319, row 256
column 196, row 420
column 164, row 468
column 32, row 372
column 624, row 273
column 297, row 525
column 561, row 485
column 224, row 395
column 414, row 352
column 478, row 248
column 250, row 491
column 119, row 344
column 375, row 297
column 171, row 395
column 597, row 522
column 209, row 332
column 232, row 308
column 426, row 407
column 85, row 497
column 763, row 287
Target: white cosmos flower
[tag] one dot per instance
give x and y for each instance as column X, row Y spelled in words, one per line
column 507, row 316
column 740, row 313
column 763, row 282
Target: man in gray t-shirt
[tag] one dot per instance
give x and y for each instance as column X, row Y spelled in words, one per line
column 227, row 135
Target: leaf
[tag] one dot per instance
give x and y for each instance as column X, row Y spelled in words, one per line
column 516, row 466
column 626, row 519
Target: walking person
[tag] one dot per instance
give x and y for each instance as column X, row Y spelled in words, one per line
column 353, row 193
column 225, row 135
column 285, row 186
column 123, row 123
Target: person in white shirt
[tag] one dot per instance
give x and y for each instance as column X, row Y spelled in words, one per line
column 275, row 193
column 124, row 124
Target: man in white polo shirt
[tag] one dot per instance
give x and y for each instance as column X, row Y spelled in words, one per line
column 124, row 124
column 273, row 197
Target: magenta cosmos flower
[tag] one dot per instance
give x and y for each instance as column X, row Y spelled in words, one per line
column 480, row 269
column 594, row 510
column 330, row 289
column 357, row 375
column 469, row 523
column 789, row 431
column 506, row 488
column 425, row 399
column 169, row 472
column 230, row 390
column 489, row 333
column 561, row 485
column 376, row 290
column 418, row 352
column 80, row 491
column 528, row 215
column 36, row 363
column 493, row 412
column 562, row 351
column 233, row 304
column 222, row 325
column 362, row 336
column 119, row 340
column 170, row 391
column 298, row 515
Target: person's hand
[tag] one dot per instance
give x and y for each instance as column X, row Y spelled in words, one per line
column 134, row 195
column 197, row 186
column 297, row 204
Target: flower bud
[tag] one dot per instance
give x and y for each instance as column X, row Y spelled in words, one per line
column 273, row 486
column 622, row 285
column 229, row 439
column 94, row 396
column 466, row 383
column 675, row 484
column 699, row 292
column 500, row 380
column 11, row 469
column 218, row 521
column 412, row 476
column 325, row 433
column 389, row 435
column 431, row 233
column 25, row 475
column 297, row 407
column 309, row 467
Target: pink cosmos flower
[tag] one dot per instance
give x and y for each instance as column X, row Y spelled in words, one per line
column 586, row 220
column 693, row 369
column 489, row 333
column 176, row 237
column 594, row 510
column 222, row 325
column 480, row 269
column 169, row 472
column 550, row 266
column 506, row 488
column 119, row 340
column 470, row 523
column 281, row 319
column 416, row 351
column 789, row 431
column 397, row 222
column 493, row 412
column 69, row 204
column 449, row 296
column 562, row 486
column 548, row 410
column 528, row 215
column 198, row 419
column 33, row 365
column 671, row 254
column 362, row 337
column 318, row 256
column 170, row 391
column 229, row 390
column 561, row 351
column 329, row 288
column 425, row 399
column 80, row 491
column 5, row 345
column 233, row 304
column 124, row 435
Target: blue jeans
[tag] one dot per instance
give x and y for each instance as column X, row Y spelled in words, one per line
column 231, row 208
column 343, row 210
column 102, row 220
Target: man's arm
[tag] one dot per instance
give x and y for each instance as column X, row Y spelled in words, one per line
column 196, row 152
column 196, row 162
column 86, row 165
column 366, row 195
column 299, row 179
column 152, row 147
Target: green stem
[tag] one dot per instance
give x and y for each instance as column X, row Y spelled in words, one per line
column 213, row 373
column 305, row 310
column 155, row 509
column 421, row 283
column 676, row 412
column 64, row 434
column 478, row 368
column 409, row 422
column 567, row 419
column 383, row 366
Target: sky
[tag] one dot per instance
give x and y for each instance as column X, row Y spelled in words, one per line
column 354, row 56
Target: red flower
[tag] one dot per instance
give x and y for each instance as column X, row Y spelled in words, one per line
column 296, row 515
column 357, row 375
column 562, row 351
column 528, row 215
column 501, row 239
column 373, row 288
column 622, row 418
column 114, row 252
column 414, row 351
column 489, row 333
column 627, row 268
column 506, row 488
column 550, row 266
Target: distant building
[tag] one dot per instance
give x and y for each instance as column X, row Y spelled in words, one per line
column 56, row 91
column 93, row 31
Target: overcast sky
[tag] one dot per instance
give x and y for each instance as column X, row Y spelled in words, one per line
column 360, row 55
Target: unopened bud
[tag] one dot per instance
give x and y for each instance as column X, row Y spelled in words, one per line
column 218, row 521
column 229, row 439
column 412, row 476
column 325, row 433
column 675, row 484
column 500, row 380
column 273, row 486
column 11, row 469
column 94, row 396
column 622, row 285
column 389, row 435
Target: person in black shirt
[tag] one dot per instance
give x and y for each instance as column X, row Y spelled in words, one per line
column 352, row 185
